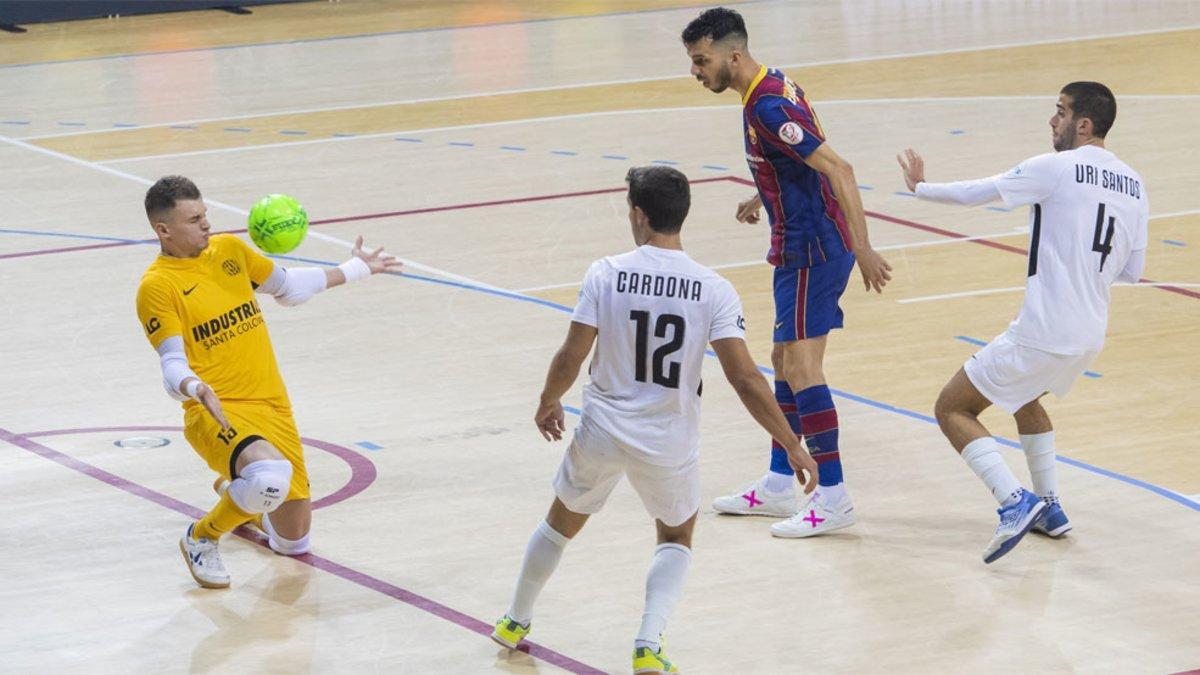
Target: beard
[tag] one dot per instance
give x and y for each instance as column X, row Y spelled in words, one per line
column 721, row 80
column 1066, row 140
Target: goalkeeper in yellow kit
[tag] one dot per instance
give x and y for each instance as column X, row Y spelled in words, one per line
column 197, row 306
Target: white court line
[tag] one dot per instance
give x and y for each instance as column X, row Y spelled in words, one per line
column 656, row 78
column 1013, row 289
column 752, row 263
column 385, row 134
column 524, row 120
column 240, row 211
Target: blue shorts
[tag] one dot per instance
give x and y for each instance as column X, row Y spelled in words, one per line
column 806, row 299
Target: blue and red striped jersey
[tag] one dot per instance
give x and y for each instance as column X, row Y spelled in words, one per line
column 807, row 224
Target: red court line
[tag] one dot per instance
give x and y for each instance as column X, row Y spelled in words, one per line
column 68, row 249
column 498, row 202
column 982, row 242
column 587, row 193
column 420, row 602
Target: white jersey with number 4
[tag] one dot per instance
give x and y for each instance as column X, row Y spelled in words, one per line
column 655, row 310
column 1089, row 213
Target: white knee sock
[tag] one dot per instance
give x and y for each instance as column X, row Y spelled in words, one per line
column 983, row 456
column 1039, row 454
column 664, row 585
column 541, row 557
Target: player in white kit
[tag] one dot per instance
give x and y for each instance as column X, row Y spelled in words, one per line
column 1089, row 219
column 651, row 313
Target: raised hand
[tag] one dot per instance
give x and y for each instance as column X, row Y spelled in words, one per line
column 377, row 260
column 913, row 168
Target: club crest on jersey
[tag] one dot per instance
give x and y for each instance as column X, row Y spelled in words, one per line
column 791, row 133
column 231, row 267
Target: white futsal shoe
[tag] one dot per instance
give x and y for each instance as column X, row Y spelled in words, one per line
column 204, row 561
column 756, row 500
column 817, row 517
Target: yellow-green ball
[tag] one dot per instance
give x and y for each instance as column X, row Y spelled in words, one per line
column 277, row 224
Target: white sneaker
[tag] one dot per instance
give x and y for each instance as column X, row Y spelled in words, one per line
column 1015, row 520
column 816, row 518
column 204, row 561
column 756, row 500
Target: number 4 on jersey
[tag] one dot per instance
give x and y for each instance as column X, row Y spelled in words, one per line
column 1104, row 248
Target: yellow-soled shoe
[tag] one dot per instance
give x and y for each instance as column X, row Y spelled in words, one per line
column 646, row 660
column 509, row 633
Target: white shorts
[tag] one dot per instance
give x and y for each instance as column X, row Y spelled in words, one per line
column 1011, row 375
column 595, row 462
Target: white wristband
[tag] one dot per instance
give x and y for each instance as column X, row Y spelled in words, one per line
column 192, row 387
column 354, row 269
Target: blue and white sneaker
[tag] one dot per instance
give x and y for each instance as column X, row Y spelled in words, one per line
column 1015, row 521
column 1053, row 521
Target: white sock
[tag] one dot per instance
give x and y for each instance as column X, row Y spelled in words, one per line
column 983, row 456
column 284, row 546
column 1039, row 454
column 664, row 585
column 778, row 482
column 832, row 494
column 541, row 557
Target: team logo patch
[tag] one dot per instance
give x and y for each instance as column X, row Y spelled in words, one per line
column 791, row 133
column 153, row 325
column 231, row 267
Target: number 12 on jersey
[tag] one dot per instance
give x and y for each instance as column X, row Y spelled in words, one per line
column 641, row 319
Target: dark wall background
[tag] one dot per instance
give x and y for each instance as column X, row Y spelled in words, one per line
column 38, row 11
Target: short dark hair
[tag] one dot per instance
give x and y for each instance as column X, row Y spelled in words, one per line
column 1095, row 102
column 717, row 23
column 161, row 196
column 662, row 193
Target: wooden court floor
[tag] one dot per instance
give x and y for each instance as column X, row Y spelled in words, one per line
column 486, row 143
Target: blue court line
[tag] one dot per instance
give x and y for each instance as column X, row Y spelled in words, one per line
column 614, row 157
column 1001, row 209
column 714, row 167
column 957, row 132
column 1172, row 242
column 293, row 132
column 512, row 148
column 237, row 129
column 865, row 187
column 183, row 126
column 461, row 144
column 1150, row 487
column 350, row 136
column 77, row 236
column 904, row 194
column 359, row 36
column 72, row 124
column 565, row 153
column 664, row 161
column 405, row 139
column 369, row 445
column 15, row 122
column 125, row 125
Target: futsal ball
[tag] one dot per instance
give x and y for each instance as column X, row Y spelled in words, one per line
column 277, row 224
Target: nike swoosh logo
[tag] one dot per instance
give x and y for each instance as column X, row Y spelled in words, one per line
column 188, row 291
column 779, row 325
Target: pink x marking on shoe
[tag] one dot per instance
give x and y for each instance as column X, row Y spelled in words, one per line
column 813, row 519
column 752, row 498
